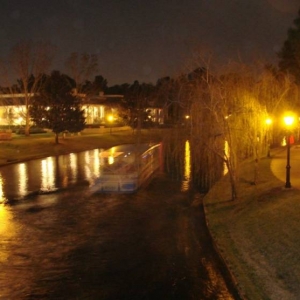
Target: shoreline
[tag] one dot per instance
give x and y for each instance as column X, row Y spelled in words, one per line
column 21, row 148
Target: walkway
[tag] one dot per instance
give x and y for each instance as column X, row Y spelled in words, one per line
column 279, row 162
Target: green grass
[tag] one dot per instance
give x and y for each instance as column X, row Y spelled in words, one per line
column 258, row 235
column 22, row 148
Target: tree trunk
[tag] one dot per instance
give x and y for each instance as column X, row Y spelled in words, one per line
column 233, row 181
column 27, row 126
column 56, row 138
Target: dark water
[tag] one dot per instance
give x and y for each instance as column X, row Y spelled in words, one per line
column 73, row 245
column 48, row 174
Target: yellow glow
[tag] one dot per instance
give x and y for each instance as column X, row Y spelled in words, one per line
column 92, row 164
column 2, row 196
column 8, row 229
column 47, row 174
column 187, row 167
column 268, row 121
column 110, row 118
column 96, row 162
column 73, row 165
column 288, row 120
column 23, row 179
column 187, row 116
column 102, row 111
column 111, row 157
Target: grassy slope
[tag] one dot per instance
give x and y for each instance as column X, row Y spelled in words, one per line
column 24, row 148
column 258, row 235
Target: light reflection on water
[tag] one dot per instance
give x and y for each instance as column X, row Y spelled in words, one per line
column 2, row 196
column 48, row 174
column 185, row 184
column 23, row 179
column 73, row 165
column 47, row 171
column 70, row 240
column 96, row 163
column 8, row 230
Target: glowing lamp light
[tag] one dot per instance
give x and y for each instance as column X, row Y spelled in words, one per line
column 268, row 121
column 289, row 120
column 110, row 118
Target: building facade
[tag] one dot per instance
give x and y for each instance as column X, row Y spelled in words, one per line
column 98, row 110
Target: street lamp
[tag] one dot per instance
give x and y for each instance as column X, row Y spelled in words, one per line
column 110, row 118
column 288, row 120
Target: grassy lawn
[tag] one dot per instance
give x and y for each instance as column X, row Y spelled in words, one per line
column 43, row 145
column 258, row 235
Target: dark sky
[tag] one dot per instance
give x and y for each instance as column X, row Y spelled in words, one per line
column 148, row 39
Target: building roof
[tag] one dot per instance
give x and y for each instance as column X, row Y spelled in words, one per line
column 105, row 99
column 19, row 99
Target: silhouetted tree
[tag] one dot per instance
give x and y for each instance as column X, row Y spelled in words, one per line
column 56, row 108
column 290, row 53
column 95, row 87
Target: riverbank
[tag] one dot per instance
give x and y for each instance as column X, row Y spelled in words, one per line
column 258, row 235
column 22, row 148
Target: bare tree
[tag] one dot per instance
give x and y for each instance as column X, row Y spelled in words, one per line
column 227, row 124
column 30, row 61
column 81, row 67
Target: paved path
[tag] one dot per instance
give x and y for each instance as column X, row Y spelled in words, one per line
column 279, row 162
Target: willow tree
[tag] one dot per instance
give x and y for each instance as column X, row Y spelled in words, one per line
column 227, row 124
column 278, row 92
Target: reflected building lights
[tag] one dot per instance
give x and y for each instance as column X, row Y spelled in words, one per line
column 63, row 164
column 187, row 167
column 7, row 231
column 87, row 172
column 111, row 159
column 87, row 157
column 51, row 173
column 87, row 168
column 92, row 163
column 2, row 196
column 73, row 165
column 96, row 163
column 23, row 179
column 48, row 176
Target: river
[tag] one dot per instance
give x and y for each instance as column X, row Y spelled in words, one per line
column 66, row 243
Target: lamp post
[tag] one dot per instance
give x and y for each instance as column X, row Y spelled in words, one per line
column 110, row 118
column 288, row 120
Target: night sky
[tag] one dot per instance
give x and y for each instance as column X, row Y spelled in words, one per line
column 148, row 39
